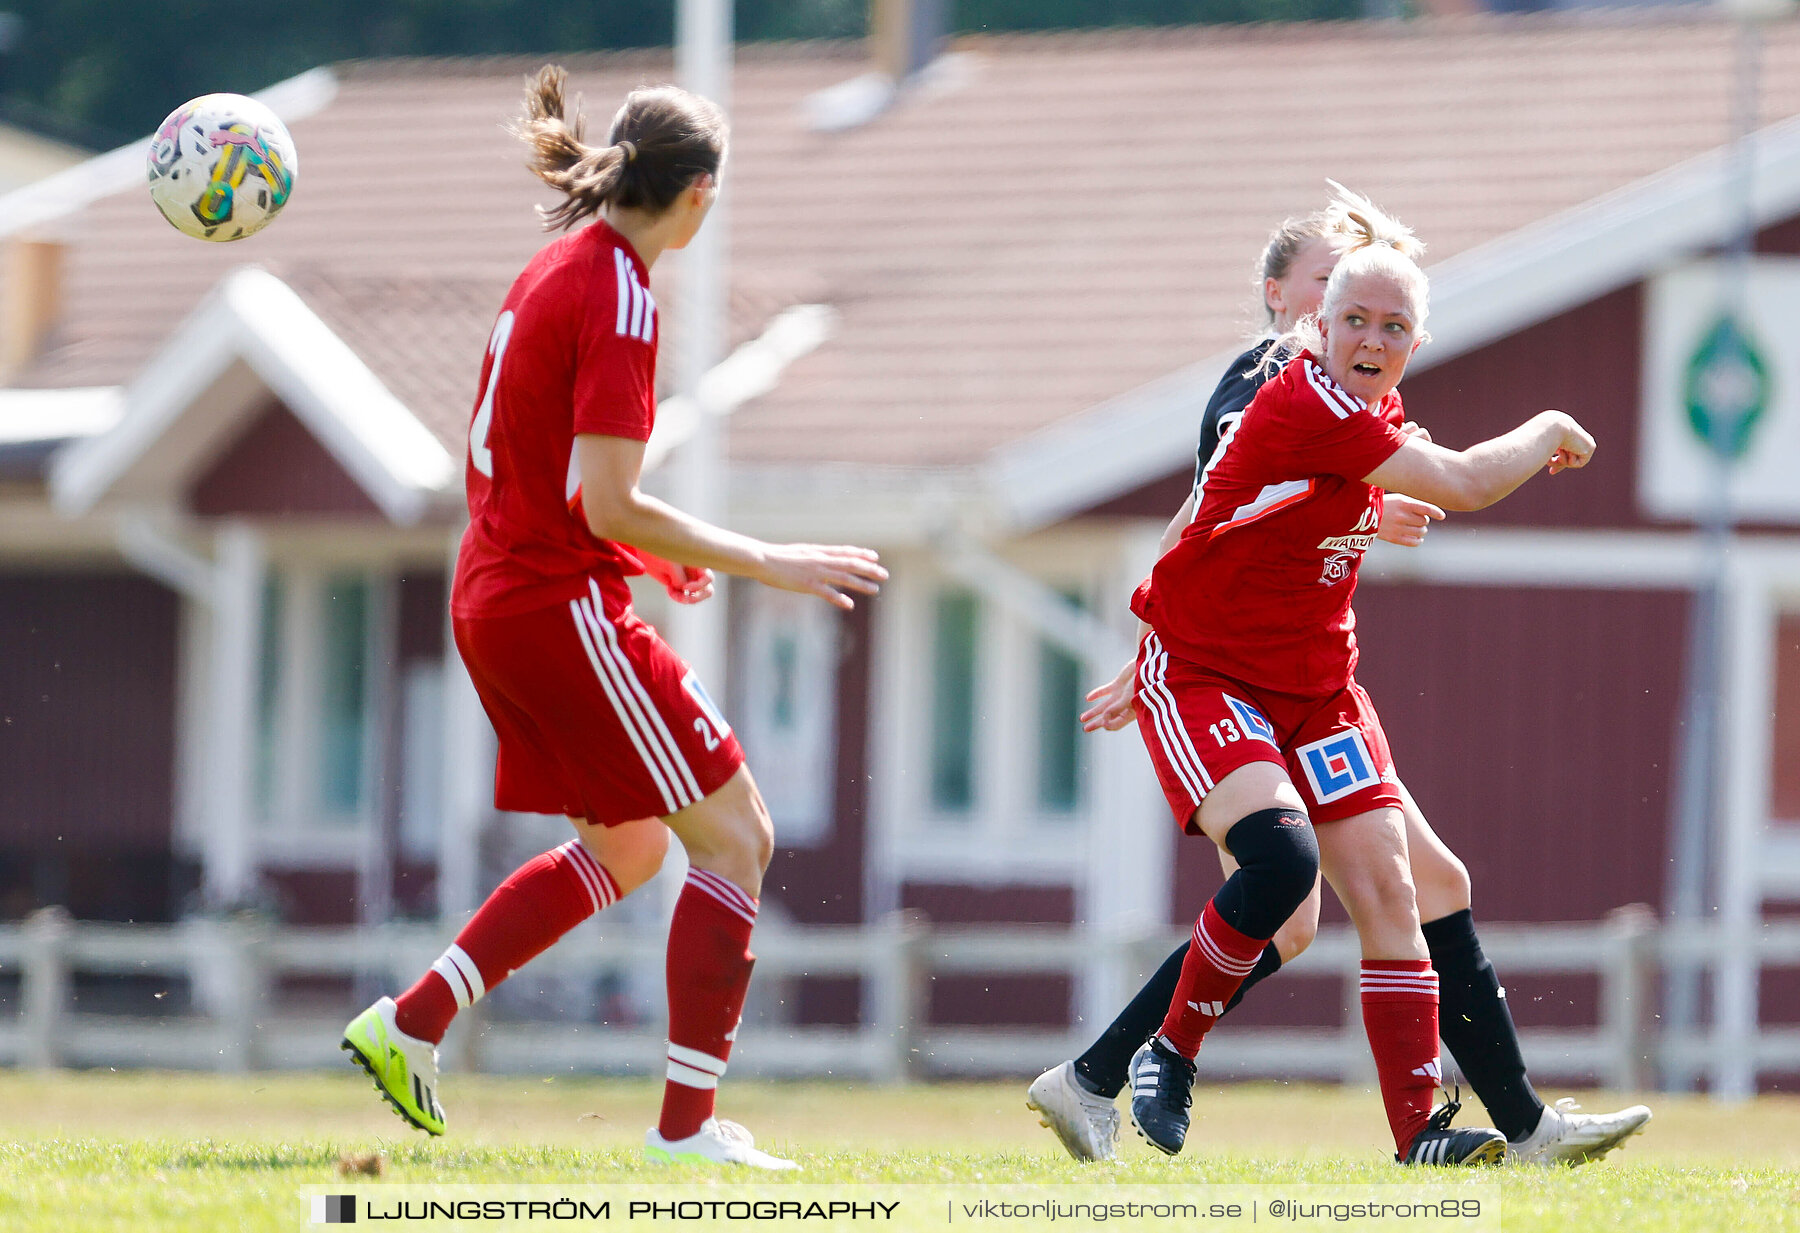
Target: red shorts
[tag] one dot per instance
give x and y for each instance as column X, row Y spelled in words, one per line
column 596, row 716
column 1200, row 727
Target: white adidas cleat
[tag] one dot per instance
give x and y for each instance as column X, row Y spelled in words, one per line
column 1564, row 1136
column 1087, row 1123
column 716, row 1142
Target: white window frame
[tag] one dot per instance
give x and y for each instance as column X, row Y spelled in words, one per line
column 803, row 808
column 292, row 828
column 1006, row 837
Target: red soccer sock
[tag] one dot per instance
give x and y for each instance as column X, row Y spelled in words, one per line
column 544, row 898
column 1400, row 1013
column 1215, row 966
column 709, row 973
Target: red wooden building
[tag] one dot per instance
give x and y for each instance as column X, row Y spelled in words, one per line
column 229, row 477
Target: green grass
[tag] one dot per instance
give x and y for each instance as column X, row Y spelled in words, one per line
column 143, row 1151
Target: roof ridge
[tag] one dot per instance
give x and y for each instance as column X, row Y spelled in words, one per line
column 1183, row 34
column 1666, row 17
column 367, row 68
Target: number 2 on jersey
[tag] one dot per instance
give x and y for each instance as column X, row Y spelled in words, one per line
column 479, row 453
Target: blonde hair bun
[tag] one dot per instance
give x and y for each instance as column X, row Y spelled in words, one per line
column 1367, row 224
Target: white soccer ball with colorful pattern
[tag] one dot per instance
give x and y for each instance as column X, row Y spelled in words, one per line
column 221, row 167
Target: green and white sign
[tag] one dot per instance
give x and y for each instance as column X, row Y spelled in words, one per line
column 1722, row 380
column 1727, row 390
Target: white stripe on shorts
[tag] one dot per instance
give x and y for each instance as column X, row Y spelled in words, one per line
column 1166, row 718
column 609, row 659
column 1181, row 733
column 680, row 775
column 576, row 607
column 1160, row 722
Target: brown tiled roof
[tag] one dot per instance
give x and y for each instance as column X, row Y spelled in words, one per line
column 1062, row 219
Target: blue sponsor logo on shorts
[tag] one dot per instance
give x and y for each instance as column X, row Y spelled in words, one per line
column 1338, row 765
column 1252, row 720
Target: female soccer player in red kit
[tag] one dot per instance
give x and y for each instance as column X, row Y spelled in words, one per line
column 597, row 718
column 1075, row 1098
column 1246, row 693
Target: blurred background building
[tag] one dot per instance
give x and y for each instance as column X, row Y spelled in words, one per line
column 979, row 289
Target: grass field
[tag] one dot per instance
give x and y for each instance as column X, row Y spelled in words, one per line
column 157, row 1151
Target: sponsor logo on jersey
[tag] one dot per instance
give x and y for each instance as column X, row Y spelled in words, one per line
column 1346, row 549
column 1338, row 765
column 1338, row 567
column 1252, row 721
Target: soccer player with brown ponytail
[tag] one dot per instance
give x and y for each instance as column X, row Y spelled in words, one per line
column 597, row 717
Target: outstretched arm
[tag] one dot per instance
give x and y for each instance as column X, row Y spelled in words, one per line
column 1114, row 705
column 1477, row 477
column 616, row 509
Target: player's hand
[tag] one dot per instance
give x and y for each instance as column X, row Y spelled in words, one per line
column 1414, row 429
column 684, row 583
column 831, row 572
column 1574, row 445
column 1404, row 519
column 1114, row 704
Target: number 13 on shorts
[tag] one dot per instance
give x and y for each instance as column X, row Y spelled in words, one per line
column 710, row 724
column 1245, row 723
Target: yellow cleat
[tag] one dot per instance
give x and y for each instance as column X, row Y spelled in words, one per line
column 404, row 1067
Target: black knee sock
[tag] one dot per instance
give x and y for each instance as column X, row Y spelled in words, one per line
column 1478, row 1028
column 1105, row 1063
column 1104, row 1066
column 1278, row 862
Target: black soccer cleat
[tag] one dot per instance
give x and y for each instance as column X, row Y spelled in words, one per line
column 1162, row 1088
column 1438, row 1144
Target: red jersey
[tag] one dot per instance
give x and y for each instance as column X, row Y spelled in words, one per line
column 573, row 351
column 1258, row 587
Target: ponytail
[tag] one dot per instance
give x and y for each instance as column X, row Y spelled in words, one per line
column 662, row 140
column 1367, row 224
column 1378, row 242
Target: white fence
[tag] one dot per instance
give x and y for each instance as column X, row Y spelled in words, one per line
column 232, row 967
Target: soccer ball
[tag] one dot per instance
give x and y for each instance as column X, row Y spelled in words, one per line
column 221, row 167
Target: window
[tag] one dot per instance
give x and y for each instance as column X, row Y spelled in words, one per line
column 267, row 692
column 313, row 699
column 343, row 693
column 784, row 707
column 956, row 629
column 1059, row 703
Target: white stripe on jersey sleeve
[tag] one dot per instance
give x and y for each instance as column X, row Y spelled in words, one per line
column 637, row 306
column 1342, row 403
column 626, row 282
column 649, row 315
